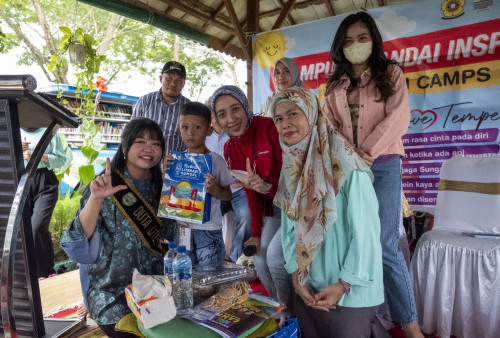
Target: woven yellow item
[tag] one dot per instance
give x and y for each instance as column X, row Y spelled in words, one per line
column 224, row 299
column 407, row 212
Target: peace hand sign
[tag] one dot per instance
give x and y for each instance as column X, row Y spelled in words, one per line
column 101, row 186
column 254, row 182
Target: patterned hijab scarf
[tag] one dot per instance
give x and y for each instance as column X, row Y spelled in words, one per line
column 294, row 72
column 238, row 94
column 312, row 174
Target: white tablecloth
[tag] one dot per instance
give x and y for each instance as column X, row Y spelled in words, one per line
column 457, row 284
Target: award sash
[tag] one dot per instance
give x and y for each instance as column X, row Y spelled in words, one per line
column 138, row 212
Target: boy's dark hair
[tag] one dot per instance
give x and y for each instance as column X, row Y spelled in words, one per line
column 134, row 129
column 377, row 61
column 197, row 108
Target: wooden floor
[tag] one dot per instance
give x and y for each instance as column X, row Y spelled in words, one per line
column 61, row 290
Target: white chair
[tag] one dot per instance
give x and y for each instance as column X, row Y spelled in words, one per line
column 457, row 278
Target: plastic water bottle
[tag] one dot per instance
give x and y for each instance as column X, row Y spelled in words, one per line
column 168, row 261
column 183, row 290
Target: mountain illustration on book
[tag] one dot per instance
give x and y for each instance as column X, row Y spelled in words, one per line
column 183, row 195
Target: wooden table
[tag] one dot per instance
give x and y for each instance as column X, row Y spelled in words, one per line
column 61, row 290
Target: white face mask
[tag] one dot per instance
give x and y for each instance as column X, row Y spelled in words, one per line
column 358, row 52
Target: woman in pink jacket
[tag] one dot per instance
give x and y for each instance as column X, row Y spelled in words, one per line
column 367, row 101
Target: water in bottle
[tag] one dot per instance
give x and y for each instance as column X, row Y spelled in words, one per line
column 183, row 290
column 168, row 261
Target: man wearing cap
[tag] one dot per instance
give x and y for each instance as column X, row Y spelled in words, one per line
column 163, row 106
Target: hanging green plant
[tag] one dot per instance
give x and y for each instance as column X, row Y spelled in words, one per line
column 83, row 54
column 88, row 63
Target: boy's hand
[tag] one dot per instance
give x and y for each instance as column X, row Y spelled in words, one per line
column 167, row 162
column 212, row 187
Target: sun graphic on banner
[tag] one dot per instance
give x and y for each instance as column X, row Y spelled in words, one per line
column 269, row 48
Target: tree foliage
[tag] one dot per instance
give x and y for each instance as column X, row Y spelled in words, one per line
column 127, row 44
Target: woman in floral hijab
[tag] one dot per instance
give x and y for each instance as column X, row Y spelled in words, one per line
column 330, row 226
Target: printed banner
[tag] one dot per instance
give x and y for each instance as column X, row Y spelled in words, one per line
column 450, row 51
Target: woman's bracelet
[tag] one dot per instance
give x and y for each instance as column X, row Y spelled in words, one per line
column 346, row 289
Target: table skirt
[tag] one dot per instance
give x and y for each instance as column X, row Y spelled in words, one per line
column 457, row 284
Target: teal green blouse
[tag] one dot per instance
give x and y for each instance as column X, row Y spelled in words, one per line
column 111, row 255
column 351, row 249
column 55, row 150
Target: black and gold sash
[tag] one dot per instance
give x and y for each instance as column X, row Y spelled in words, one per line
column 138, row 212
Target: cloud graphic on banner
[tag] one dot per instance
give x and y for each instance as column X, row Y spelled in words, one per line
column 392, row 26
column 269, row 48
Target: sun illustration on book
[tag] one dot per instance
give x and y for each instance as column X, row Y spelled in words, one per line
column 183, row 190
column 269, row 48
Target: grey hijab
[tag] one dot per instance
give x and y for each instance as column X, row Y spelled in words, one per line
column 294, row 71
column 235, row 92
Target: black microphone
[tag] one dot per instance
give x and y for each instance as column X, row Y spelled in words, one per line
column 249, row 250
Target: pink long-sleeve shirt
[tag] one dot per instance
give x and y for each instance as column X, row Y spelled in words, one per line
column 381, row 125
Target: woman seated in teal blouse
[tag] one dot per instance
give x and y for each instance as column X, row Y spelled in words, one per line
column 116, row 228
column 330, row 224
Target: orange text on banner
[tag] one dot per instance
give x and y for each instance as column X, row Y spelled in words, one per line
column 485, row 74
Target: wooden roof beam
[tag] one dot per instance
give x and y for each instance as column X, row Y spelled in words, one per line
column 329, row 6
column 237, row 28
column 298, row 5
column 232, row 50
column 290, row 18
column 207, row 9
column 284, row 13
column 198, row 15
column 168, row 10
column 216, row 12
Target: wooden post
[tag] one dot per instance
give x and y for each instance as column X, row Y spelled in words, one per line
column 252, row 28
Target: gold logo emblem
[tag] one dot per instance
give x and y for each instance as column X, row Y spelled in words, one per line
column 129, row 199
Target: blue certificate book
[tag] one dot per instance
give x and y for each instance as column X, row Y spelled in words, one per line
column 183, row 196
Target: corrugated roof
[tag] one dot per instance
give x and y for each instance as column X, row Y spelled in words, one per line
column 225, row 25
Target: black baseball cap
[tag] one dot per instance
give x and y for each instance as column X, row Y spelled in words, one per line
column 174, row 66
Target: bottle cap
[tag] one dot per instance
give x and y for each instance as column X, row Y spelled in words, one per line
column 249, row 250
column 172, row 245
column 181, row 249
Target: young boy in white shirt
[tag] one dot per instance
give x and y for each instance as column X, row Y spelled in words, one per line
column 208, row 244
